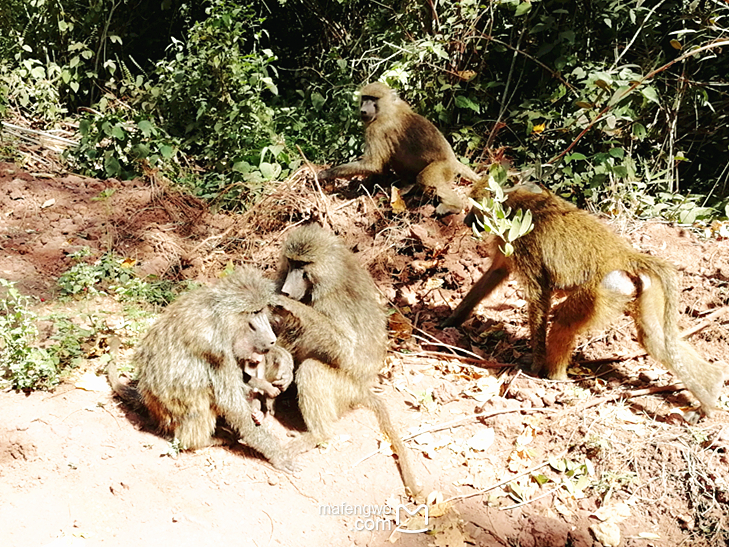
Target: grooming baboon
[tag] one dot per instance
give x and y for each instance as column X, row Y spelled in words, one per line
column 336, row 329
column 190, row 364
column 398, row 139
column 571, row 250
column 268, row 379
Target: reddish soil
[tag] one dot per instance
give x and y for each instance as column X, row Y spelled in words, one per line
column 78, row 467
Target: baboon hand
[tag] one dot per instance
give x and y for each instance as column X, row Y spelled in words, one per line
column 284, row 379
column 281, row 301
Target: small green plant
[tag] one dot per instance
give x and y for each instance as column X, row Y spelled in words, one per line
column 157, row 292
column 88, row 279
column 499, row 220
column 117, row 144
column 22, row 364
column 113, row 276
column 67, row 352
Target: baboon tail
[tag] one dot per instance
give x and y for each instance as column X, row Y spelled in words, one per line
column 125, row 392
column 377, row 405
column 657, row 322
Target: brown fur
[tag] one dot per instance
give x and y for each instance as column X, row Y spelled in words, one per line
column 189, row 364
column 336, row 329
column 573, row 251
column 398, row 139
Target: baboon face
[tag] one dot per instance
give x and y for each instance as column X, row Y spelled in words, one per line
column 371, row 96
column 368, row 109
column 297, row 284
column 254, row 338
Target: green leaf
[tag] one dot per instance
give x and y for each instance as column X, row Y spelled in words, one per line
column 167, row 151
column 523, row 8
column 617, row 152
column 242, row 167
column 574, row 157
column 146, row 127
column 118, row 132
column 526, row 223
column 465, row 102
column 514, row 230
column 639, row 131
column 619, row 95
column 651, row 94
column 112, row 166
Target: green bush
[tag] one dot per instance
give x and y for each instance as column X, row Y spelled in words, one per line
column 22, row 363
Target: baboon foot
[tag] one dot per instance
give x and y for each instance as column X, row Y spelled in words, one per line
column 444, row 209
column 285, row 463
column 301, row 444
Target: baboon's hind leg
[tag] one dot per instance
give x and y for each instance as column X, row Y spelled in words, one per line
column 584, row 308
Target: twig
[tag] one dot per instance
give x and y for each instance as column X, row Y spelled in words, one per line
column 640, row 353
column 455, row 423
column 516, row 49
column 325, row 203
column 527, row 502
column 43, row 134
column 437, row 342
column 612, row 103
column 482, row 363
column 637, row 33
column 458, row 421
column 626, row 395
column 505, row 481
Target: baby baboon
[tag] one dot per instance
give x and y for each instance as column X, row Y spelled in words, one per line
column 335, row 327
column 268, row 379
column 573, row 251
column 398, row 139
column 190, row 364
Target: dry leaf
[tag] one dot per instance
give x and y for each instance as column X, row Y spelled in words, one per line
column 607, row 533
column 482, row 440
column 92, row 382
column 396, row 201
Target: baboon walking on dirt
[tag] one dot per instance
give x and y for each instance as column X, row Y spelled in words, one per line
column 190, row 364
column 571, row 250
column 398, row 139
column 336, row 329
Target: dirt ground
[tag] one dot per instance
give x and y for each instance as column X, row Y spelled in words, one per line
column 508, row 460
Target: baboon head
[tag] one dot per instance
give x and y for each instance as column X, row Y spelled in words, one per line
column 310, row 262
column 241, row 301
column 374, row 100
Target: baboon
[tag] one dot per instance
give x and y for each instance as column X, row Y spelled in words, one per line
column 336, row 329
column 268, row 379
column 603, row 276
column 398, row 139
column 190, row 364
